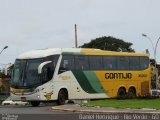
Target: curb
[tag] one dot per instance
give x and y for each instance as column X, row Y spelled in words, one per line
column 76, row 108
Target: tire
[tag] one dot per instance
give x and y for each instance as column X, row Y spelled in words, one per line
column 121, row 93
column 131, row 93
column 61, row 97
column 35, row 103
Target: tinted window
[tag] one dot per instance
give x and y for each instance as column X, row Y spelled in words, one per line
column 81, row 63
column 110, row 62
column 53, row 58
column 67, row 63
column 103, row 63
column 51, row 66
column 48, row 71
column 95, row 63
column 123, row 63
column 144, row 62
column 134, row 63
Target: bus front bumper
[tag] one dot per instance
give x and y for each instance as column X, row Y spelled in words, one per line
column 25, row 97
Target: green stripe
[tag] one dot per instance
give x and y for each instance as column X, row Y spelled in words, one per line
column 83, row 81
column 94, row 82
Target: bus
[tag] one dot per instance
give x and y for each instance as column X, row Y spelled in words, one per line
column 60, row 74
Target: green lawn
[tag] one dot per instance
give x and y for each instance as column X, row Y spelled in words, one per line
column 128, row 103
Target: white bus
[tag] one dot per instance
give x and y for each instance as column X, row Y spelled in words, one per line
column 76, row 73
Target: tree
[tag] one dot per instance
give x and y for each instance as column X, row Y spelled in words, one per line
column 109, row 43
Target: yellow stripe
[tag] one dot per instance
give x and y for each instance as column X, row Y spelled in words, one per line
column 104, row 52
column 13, row 90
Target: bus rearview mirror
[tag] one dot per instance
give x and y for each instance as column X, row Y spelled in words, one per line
column 40, row 67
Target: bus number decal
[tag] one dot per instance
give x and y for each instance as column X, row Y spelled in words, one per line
column 142, row 75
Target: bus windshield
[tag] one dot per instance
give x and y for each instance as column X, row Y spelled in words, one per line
column 25, row 73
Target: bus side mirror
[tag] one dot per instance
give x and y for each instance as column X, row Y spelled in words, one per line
column 40, row 67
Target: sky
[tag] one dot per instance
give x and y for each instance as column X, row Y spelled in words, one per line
column 37, row 24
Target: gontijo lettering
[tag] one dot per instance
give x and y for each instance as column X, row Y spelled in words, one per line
column 118, row 75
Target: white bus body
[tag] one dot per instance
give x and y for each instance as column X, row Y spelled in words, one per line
column 60, row 86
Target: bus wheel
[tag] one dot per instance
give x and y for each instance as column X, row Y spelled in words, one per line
column 61, row 97
column 121, row 93
column 131, row 93
column 35, row 103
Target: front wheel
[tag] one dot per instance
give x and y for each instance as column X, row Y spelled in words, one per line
column 35, row 103
column 61, row 97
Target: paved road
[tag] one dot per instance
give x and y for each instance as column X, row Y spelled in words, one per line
column 46, row 113
column 43, row 112
column 21, row 109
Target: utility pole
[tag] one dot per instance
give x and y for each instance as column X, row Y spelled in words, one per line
column 76, row 43
column 154, row 51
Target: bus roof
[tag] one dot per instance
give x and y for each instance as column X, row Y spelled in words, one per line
column 73, row 51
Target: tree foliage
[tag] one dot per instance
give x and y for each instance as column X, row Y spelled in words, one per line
column 109, row 43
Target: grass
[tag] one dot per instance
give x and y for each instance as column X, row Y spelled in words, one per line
column 128, row 103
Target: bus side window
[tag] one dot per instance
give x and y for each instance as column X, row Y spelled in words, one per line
column 144, row 62
column 95, row 63
column 123, row 63
column 134, row 63
column 81, row 62
column 110, row 62
column 63, row 66
column 67, row 63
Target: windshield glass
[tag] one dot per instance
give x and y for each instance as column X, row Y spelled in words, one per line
column 31, row 77
column 25, row 73
column 18, row 72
